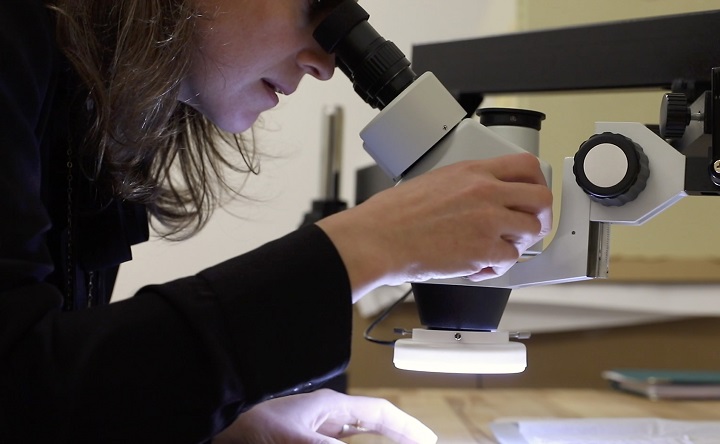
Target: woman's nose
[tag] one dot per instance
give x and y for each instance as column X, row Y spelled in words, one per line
column 317, row 63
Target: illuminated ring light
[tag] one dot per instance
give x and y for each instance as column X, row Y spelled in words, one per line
column 473, row 352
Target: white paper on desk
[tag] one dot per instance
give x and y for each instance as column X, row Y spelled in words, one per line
column 607, row 431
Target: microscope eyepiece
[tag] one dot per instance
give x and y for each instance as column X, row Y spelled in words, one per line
column 378, row 69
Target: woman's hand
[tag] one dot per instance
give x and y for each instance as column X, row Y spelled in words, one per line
column 323, row 416
column 470, row 219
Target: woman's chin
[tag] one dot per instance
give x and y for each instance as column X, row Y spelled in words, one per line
column 235, row 123
column 231, row 122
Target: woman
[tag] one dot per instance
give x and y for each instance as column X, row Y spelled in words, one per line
column 113, row 111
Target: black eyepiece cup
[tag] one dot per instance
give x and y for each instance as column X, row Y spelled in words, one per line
column 378, row 70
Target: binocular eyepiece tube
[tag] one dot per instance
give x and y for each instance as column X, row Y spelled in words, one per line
column 378, row 70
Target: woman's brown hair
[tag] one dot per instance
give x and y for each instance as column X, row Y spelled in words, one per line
column 145, row 145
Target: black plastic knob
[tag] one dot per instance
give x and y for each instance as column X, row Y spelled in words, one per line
column 611, row 168
column 674, row 115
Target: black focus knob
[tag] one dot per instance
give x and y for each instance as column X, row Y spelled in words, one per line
column 611, row 168
column 674, row 115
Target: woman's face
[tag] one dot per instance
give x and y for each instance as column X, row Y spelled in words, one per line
column 249, row 51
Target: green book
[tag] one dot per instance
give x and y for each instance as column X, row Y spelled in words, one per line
column 665, row 383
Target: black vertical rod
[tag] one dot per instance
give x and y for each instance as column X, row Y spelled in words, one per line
column 715, row 119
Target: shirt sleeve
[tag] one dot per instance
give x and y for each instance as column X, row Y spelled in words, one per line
column 26, row 60
column 177, row 362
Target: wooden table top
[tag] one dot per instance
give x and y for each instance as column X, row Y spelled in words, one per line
column 464, row 415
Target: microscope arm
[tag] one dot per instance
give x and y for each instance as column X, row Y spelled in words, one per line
column 579, row 249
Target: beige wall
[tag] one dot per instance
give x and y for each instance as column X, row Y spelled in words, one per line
column 541, row 14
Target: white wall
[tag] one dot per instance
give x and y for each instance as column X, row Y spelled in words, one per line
column 287, row 186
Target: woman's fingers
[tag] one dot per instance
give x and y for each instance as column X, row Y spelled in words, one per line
column 359, row 414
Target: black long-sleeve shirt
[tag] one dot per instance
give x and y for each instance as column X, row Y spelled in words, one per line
column 174, row 363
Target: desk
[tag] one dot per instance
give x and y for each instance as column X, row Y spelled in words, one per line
column 463, row 415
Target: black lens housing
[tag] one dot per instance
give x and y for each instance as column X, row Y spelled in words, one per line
column 378, row 70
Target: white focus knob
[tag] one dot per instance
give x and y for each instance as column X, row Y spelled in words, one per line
column 611, row 168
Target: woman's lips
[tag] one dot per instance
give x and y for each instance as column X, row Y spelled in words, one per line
column 272, row 92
